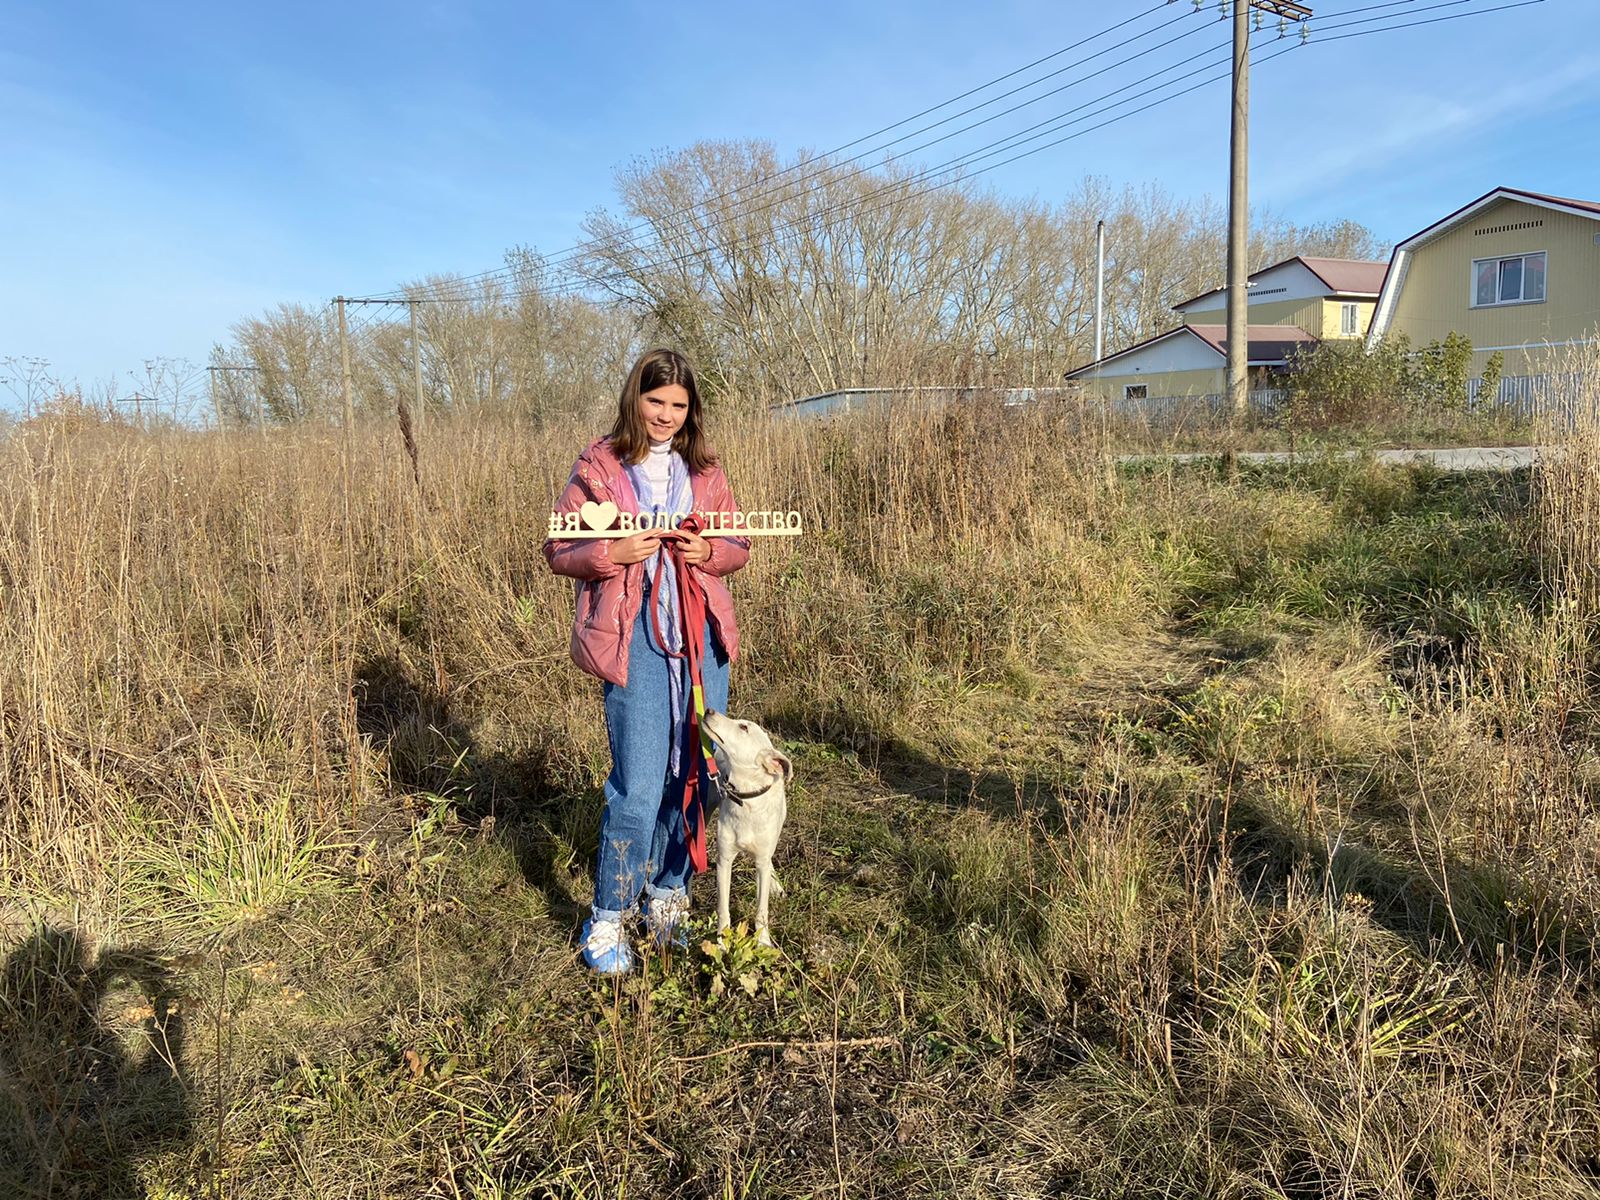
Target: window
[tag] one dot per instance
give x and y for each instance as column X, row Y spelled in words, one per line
column 1349, row 319
column 1515, row 280
column 1135, row 391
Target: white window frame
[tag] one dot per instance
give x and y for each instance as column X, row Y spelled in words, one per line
column 1129, row 388
column 1472, row 279
column 1349, row 318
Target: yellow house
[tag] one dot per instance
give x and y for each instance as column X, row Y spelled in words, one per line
column 1516, row 272
column 1327, row 297
column 1293, row 305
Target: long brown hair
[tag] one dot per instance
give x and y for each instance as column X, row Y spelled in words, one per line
column 655, row 369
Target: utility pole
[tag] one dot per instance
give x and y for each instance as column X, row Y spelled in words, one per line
column 344, row 359
column 1239, row 219
column 349, row 412
column 415, row 420
column 1099, row 290
column 261, row 412
column 138, row 402
column 416, row 367
column 1239, row 197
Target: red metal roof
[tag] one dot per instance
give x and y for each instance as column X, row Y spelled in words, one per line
column 1587, row 207
column 1349, row 276
column 1591, row 205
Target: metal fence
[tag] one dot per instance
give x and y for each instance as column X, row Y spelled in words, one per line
column 1187, row 410
column 1557, row 397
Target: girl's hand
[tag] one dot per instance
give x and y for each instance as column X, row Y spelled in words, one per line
column 636, row 547
column 695, row 548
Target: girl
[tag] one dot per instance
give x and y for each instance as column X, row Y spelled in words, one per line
column 655, row 460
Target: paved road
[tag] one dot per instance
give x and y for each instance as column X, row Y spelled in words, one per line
column 1475, row 458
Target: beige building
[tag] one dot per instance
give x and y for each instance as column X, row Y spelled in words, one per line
column 1516, row 272
column 1189, row 363
column 1293, row 305
column 1326, row 297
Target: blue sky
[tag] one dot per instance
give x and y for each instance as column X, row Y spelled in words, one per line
column 171, row 168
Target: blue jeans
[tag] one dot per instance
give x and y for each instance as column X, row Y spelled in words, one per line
column 643, row 841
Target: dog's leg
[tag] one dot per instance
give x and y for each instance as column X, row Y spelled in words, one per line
column 764, row 881
column 726, row 853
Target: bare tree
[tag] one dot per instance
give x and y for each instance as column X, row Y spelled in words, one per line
column 780, row 283
column 296, row 355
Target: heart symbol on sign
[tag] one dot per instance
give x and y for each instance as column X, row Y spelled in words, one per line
column 598, row 516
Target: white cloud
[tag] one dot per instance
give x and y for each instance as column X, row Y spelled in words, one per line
column 1398, row 125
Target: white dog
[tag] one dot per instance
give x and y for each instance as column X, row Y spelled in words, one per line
column 754, row 778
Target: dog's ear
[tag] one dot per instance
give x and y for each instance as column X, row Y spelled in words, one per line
column 775, row 762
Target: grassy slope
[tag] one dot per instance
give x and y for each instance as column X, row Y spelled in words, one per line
column 1256, row 858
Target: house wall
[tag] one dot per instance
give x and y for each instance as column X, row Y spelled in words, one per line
column 1161, row 385
column 1282, row 312
column 1282, row 284
column 1330, row 318
column 1318, row 316
column 1179, row 351
column 1436, row 292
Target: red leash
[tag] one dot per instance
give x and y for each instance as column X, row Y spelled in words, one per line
column 692, row 619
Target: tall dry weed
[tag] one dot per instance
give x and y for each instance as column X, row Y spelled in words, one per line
column 1569, row 482
column 193, row 614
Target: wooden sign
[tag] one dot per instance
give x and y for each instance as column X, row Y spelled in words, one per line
column 605, row 520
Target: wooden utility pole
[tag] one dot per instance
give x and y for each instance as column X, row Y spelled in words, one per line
column 138, row 402
column 349, row 415
column 416, row 369
column 344, row 359
column 1239, row 197
column 261, row 404
column 1239, row 219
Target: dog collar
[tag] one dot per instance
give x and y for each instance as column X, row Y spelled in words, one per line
column 729, row 790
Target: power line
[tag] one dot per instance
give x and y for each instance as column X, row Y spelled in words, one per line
column 577, row 251
column 825, row 155
column 1052, row 120
column 1430, row 21
column 1055, row 120
column 1000, row 146
column 457, row 289
column 561, row 259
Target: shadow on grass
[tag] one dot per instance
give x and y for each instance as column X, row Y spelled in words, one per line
column 431, row 751
column 1483, row 911
column 92, row 1081
column 909, row 770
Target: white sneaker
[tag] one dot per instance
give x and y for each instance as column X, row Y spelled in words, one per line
column 605, row 946
column 664, row 918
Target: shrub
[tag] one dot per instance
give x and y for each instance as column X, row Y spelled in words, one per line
column 1344, row 384
column 1489, row 384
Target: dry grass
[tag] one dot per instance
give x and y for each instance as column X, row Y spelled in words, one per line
column 1184, row 834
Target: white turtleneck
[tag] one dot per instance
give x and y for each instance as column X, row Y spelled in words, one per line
column 656, row 466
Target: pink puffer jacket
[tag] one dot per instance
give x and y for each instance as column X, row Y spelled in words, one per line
column 609, row 594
